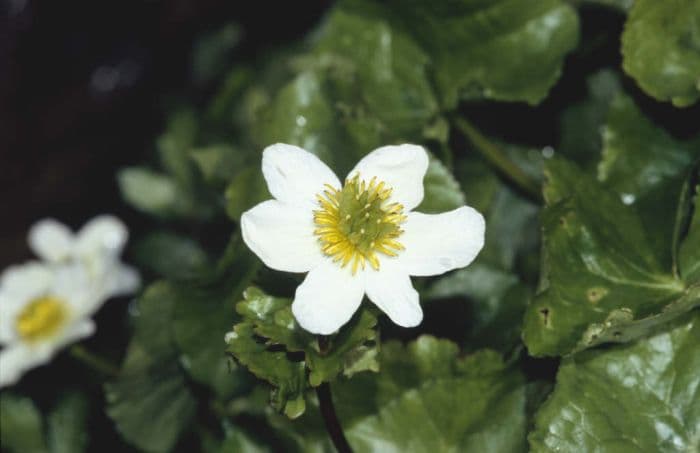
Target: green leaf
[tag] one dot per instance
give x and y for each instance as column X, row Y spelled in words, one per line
column 148, row 191
column 364, row 84
column 235, row 440
column 174, row 146
column 203, row 309
column 661, row 49
column 689, row 254
column 218, row 163
column 601, row 280
column 351, row 350
column 303, row 113
column 423, row 381
column 286, row 376
column 581, row 122
column 646, row 167
column 509, row 50
column 247, row 188
column 388, row 67
column 426, row 398
column 212, row 52
column 499, row 300
column 224, row 114
column 67, row 424
column 511, row 219
column 179, row 190
column 638, row 155
column 306, row 434
column 479, row 182
column 495, row 295
column 354, row 349
column 169, row 255
column 637, row 397
column 149, row 401
column 270, row 325
column 621, row 5
column 442, row 191
column 22, row 425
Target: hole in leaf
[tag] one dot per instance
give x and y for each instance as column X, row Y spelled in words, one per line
column 296, row 356
column 595, row 294
column 545, row 316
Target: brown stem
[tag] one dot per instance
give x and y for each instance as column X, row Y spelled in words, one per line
column 94, row 361
column 498, row 159
column 330, row 418
column 324, row 344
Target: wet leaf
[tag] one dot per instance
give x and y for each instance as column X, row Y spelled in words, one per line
column 637, row 397
column 647, row 167
column 202, row 313
column 661, row 49
column 442, row 191
column 68, row 424
column 425, row 398
column 269, row 336
column 689, row 254
column 601, row 279
column 507, row 50
column 22, row 425
column 149, row 401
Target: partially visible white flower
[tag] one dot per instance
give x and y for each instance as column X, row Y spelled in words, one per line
column 97, row 245
column 356, row 238
column 47, row 305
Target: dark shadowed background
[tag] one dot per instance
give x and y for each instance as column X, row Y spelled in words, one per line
column 84, row 88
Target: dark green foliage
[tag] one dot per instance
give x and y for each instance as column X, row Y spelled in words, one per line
column 602, row 274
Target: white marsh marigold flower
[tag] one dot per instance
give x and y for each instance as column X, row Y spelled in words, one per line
column 46, row 305
column 356, row 238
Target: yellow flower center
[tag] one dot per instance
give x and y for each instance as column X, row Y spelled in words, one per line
column 42, row 318
column 356, row 223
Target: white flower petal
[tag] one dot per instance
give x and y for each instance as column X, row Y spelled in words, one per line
column 439, row 243
column 19, row 285
column 25, row 281
column 103, row 235
column 51, row 240
column 83, row 292
column 8, row 315
column 295, row 175
column 124, row 281
column 78, row 330
column 18, row 358
column 327, row 298
column 282, row 236
column 401, row 167
column 15, row 359
column 391, row 290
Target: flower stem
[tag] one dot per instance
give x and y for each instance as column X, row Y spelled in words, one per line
column 93, row 361
column 325, row 400
column 496, row 157
column 330, row 418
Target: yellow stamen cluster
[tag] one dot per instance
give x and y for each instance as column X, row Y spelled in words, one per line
column 41, row 318
column 356, row 223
